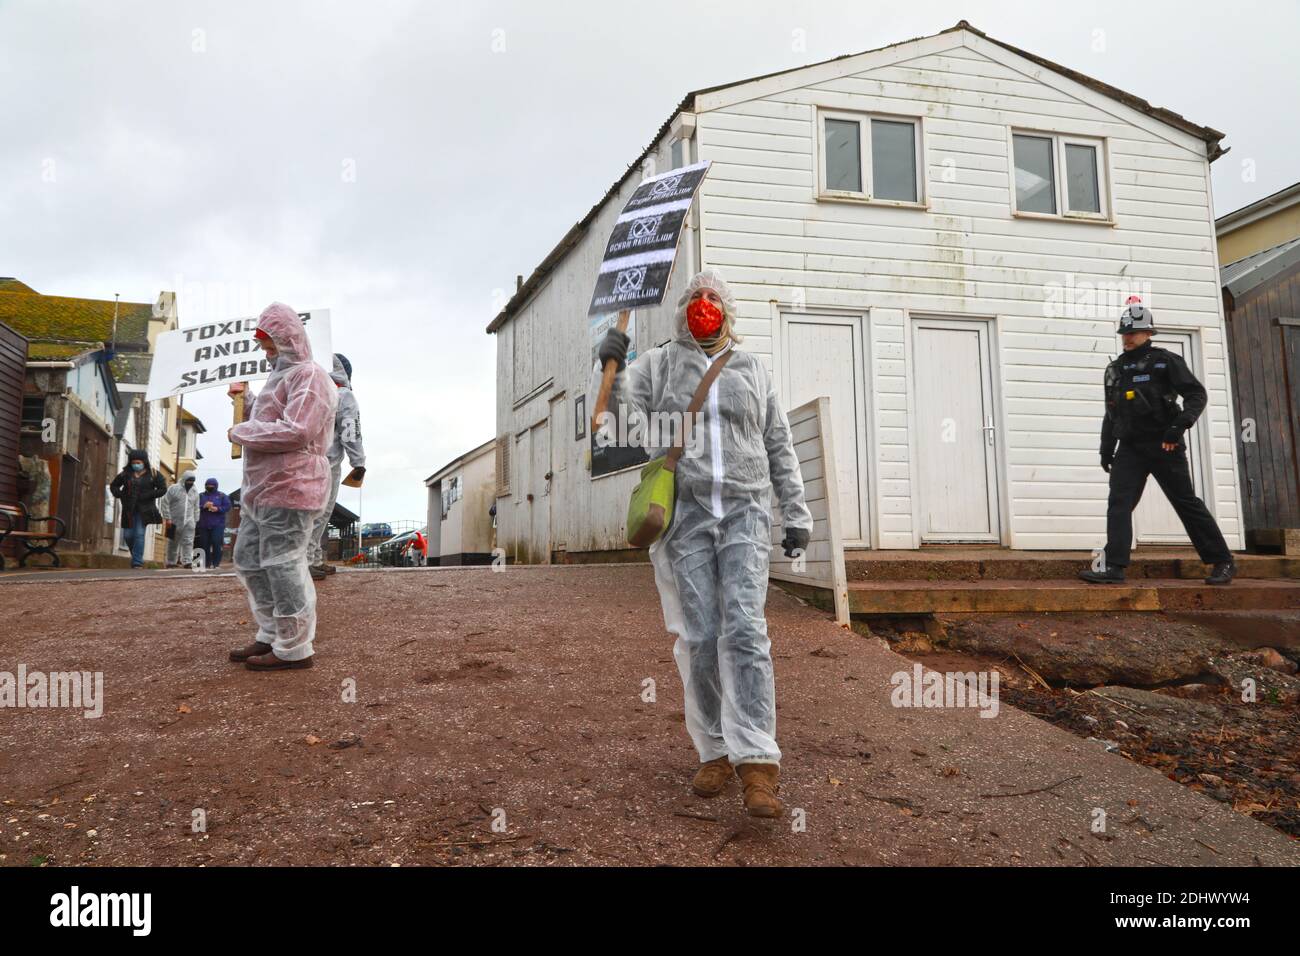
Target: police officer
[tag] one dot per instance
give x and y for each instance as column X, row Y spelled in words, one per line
column 1142, row 413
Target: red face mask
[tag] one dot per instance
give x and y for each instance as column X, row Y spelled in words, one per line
column 703, row 318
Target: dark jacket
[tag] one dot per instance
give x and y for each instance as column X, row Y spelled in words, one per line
column 139, row 494
column 213, row 519
column 1142, row 391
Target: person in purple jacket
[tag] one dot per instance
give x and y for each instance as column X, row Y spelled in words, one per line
column 211, row 532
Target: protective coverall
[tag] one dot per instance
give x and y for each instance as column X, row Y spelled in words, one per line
column 347, row 441
column 286, row 481
column 711, row 565
column 180, row 506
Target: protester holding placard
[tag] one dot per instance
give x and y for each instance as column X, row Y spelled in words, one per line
column 286, row 480
column 711, row 564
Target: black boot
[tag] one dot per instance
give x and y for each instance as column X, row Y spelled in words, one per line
column 1222, row 573
column 1111, row 575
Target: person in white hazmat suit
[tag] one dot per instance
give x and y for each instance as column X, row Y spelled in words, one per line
column 711, row 565
column 347, row 441
column 286, row 434
column 180, row 508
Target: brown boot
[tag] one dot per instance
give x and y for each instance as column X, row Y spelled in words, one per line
column 712, row 777
column 760, row 780
column 252, row 650
column 269, row 662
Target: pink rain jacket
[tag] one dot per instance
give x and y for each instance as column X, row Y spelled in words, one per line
column 291, row 425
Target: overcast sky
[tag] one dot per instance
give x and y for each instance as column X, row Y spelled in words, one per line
column 400, row 162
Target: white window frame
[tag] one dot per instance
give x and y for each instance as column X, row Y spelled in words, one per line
column 1059, row 141
column 864, row 150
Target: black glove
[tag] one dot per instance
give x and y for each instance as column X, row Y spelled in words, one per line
column 796, row 539
column 614, row 346
column 1106, row 459
column 1173, row 435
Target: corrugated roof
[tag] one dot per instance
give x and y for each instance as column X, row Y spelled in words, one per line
column 1210, row 136
column 1245, row 274
column 132, row 368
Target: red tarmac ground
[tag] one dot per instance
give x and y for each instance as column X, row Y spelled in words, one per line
column 516, row 699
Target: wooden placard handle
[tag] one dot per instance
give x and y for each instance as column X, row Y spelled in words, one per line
column 237, row 451
column 607, row 382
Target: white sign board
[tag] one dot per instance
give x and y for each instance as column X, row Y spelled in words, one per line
column 222, row 353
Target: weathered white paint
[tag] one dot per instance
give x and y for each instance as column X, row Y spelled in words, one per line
column 963, row 254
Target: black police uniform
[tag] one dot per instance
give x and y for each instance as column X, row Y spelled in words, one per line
column 1142, row 412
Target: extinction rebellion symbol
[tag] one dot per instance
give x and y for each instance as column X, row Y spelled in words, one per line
column 646, row 228
column 666, row 187
column 628, row 281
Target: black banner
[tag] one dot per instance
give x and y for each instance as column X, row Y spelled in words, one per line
column 638, row 260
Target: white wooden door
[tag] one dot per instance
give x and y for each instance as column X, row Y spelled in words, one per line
column 540, row 486
column 1154, row 519
column 955, row 437
column 522, row 524
column 560, row 427
column 824, row 356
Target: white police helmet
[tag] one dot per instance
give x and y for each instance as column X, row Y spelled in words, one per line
column 1136, row 317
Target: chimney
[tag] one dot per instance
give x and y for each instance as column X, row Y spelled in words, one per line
column 519, row 283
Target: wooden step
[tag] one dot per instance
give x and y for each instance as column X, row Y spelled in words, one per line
column 994, row 565
column 1010, row 596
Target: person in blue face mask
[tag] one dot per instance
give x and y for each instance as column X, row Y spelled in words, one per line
column 138, row 487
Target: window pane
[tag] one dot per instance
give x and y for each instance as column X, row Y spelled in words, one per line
column 893, row 160
column 676, row 154
column 843, row 156
column 1082, row 194
column 1035, row 180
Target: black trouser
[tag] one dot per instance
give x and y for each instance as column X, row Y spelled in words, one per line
column 1134, row 461
column 211, row 540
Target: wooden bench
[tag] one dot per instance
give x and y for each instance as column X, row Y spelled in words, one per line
column 16, row 523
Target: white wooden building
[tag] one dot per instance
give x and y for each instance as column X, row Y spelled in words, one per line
column 939, row 236
column 461, row 495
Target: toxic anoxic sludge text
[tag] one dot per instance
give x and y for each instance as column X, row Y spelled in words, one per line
column 222, row 353
column 224, row 373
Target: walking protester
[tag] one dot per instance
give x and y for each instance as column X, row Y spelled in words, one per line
column 1143, row 386
column 180, row 511
column 213, row 505
column 285, row 437
column 138, row 487
column 711, row 565
column 347, row 441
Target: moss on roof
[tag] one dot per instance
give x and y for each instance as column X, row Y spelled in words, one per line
column 56, row 318
column 58, row 351
column 10, row 284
